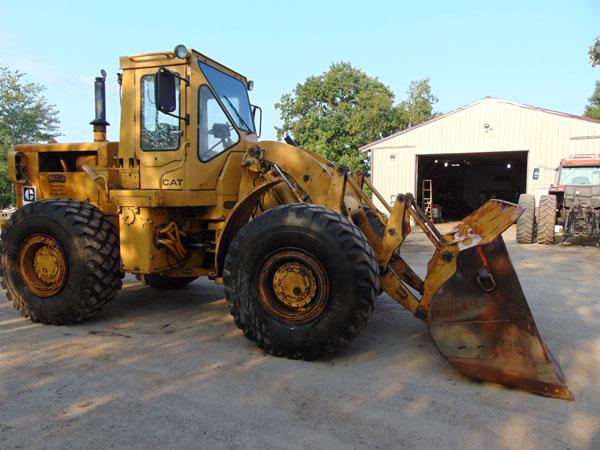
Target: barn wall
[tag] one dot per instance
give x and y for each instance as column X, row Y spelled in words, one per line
column 547, row 137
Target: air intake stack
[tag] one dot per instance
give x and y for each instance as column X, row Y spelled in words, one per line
column 100, row 122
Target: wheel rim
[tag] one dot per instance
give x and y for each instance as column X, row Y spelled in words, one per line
column 293, row 286
column 42, row 265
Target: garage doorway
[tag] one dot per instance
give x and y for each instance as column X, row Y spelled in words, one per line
column 462, row 182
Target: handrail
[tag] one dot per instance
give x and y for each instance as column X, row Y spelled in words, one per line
column 95, row 177
column 424, row 223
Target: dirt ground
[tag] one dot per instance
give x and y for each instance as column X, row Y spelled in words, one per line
column 169, row 369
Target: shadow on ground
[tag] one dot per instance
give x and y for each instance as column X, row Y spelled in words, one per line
column 170, row 369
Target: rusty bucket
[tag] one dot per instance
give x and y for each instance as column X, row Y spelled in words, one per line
column 479, row 318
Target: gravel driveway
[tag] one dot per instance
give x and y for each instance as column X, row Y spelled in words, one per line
column 169, row 369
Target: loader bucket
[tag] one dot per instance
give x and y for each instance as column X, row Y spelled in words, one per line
column 479, row 318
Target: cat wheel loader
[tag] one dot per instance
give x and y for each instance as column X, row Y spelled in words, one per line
column 303, row 253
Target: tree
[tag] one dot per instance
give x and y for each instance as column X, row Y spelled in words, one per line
column 592, row 110
column 338, row 111
column 594, row 53
column 7, row 191
column 25, row 117
column 418, row 108
column 343, row 109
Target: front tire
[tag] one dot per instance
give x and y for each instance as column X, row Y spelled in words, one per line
column 301, row 281
column 60, row 261
column 546, row 220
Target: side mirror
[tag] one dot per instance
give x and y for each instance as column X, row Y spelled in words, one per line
column 165, row 91
column 536, row 173
column 259, row 128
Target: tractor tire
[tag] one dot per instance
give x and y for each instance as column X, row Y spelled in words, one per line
column 155, row 280
column 374, row 221
column 546, row 220
column 301, row 281
column 377, row 226
column 60, row 261
column 526, row 223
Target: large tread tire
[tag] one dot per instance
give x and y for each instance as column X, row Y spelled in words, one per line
column 90, row 243
column 374, row 221
column 526, row 223
column 157, row 281
column 348, row 260
column 546, row 220
column 377, row 226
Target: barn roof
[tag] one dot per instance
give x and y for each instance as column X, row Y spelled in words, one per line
column 367, row 147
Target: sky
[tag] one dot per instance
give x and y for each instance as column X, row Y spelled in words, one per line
column 532, row 52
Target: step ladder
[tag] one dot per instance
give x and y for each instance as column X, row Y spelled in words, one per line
column 427, row 199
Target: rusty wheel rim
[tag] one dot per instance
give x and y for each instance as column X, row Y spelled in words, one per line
column 42, row 265
column 293, row 286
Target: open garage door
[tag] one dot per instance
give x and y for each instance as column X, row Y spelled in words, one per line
column 461, row 182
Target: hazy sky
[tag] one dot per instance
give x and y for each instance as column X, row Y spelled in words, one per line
column 529, row 52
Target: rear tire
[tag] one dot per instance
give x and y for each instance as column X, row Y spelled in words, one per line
column 328, row 296
column 546, row 219
column 60, row 261
column 526, row 223
column 155, row 280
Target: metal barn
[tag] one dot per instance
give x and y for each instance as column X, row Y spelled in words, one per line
column 488, row 149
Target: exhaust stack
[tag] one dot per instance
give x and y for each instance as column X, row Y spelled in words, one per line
column 100, row 122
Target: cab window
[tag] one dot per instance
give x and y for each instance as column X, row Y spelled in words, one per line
column 233, row 95
column 158, row 131
column 215, row 131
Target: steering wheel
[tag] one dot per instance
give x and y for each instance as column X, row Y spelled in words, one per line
column 221, row 131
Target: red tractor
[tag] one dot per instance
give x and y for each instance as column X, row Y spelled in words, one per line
column 573, row 202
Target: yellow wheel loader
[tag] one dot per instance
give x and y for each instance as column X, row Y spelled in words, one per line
column 303, row 253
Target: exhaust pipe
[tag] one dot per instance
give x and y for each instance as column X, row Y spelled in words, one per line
column 100, row 122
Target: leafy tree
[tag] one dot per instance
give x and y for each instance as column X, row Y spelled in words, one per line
column 418, row 108
column 594, row 53
column 592, row 110
column 338, row 111
column 25, row 117
column 343, row 109
column 7, row 191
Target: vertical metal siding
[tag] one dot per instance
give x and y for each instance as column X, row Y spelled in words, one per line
column 546, row 136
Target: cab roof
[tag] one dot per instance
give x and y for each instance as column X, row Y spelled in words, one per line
column 168, row 58
column 581, row 160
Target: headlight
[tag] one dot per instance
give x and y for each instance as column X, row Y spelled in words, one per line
column 181, row 52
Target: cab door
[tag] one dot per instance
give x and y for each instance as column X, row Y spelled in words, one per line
column 161, row 139
column 217, row 147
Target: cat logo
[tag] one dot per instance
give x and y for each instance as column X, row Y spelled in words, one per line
column 28, row 194
column 172, row 182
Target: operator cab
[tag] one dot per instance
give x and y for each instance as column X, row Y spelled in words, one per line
column 224, row 108
column 184, row 116
column 579, row 170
